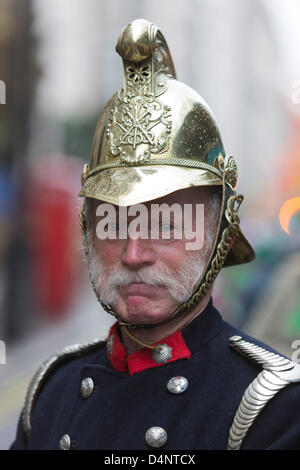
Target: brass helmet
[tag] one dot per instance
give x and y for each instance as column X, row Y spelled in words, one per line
column 157, row 135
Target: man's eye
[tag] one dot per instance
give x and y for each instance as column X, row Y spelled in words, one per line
column 113, row 227
column 166, row 228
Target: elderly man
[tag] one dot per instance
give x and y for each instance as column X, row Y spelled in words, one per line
column 159, row 221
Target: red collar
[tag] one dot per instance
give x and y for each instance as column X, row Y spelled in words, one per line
column 142, row 359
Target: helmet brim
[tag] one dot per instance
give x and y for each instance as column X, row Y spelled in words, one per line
column 135, row 185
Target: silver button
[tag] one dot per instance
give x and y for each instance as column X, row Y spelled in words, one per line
column 156, row 437
column 177, row 385
column 65, row 442
column 87, row 387
column 162, row 355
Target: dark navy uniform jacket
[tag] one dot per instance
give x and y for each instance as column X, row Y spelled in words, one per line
column 130, row 395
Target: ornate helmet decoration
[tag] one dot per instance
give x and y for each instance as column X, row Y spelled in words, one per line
column 157, row 135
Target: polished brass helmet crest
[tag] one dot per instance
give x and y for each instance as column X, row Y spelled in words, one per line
column 152, row 126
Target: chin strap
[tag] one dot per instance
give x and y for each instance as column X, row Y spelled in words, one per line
column 145, row 345
column 223, row 247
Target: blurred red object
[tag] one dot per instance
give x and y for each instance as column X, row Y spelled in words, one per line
column 54, row 232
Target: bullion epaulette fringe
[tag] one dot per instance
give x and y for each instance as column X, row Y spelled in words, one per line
column 46, row 368
column 277, row 373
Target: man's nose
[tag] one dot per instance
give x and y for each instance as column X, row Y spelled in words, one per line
column 136, row 254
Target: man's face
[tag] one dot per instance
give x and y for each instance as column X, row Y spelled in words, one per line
column 145, row 278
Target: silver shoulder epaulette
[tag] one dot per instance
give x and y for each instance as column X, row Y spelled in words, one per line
column 45, row 369
column 276, row 374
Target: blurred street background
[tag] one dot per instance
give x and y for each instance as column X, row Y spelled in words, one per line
column 58, row 68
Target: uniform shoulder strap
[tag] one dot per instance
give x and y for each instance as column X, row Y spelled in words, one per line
column 46, row 368
column 276, row 374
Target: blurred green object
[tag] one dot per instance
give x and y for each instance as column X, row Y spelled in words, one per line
column 292, row 324
column 239, row 290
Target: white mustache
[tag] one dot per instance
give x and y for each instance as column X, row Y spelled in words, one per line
column 179, row 284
